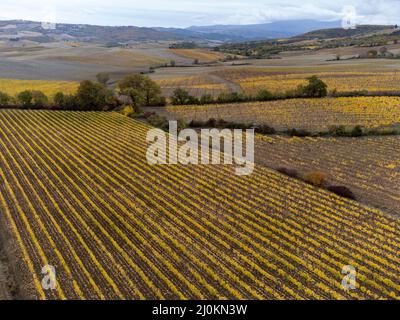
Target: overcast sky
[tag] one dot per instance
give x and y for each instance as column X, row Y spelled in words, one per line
column 183, row 13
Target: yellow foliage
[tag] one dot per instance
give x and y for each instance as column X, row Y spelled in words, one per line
column 317, row 178
column 126, row 110
column 200, row 54
column 368, row 112
column 49, row 88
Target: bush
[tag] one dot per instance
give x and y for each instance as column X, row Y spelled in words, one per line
column 315, row 88
column 32, row 99
column 91, row 96
column 25, row 98
column 181, row 124
column 356, row 132
column 4, row 98
column 207, row 99
column 264, row 95
column 298, row 133
column 196, row 124
column 265, row 129
column 158, row 121
column 289, row 172
column 180, row 97
column 211, row 123
column 111, row 100
column 193, row 100
column 158, row 102
column 342, row 192
column 317, row 178
column 59, row 99
column 148, row 114
column 103, row 78
column 141, row 89
column 232, row 97
column 39, row 99
column 125, row 110
column 70, row 102
column 339, row 131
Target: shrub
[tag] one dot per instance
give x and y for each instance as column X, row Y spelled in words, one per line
column 158, row 102
column 125, row 110
column 315, row 88
column 91, row 96
column 265, row 129
column 211, row 123
column 103, row 78
column 180, row 97
column 232, row 97
column 264, row 95
column 342, row 191
column 237, row 125
column 25, row 98
column 339, row 131
column 317, row 178
column 4, row 98
column 222, row 123
column 299, row 133
column 70, row 102
column 181, row 124
column 372, row 54
column 135, row 97
column 193, row 100
column 39, row 99
column 206, row 99
column 196, row 124
column 148, row 114
column 141, row 89
column 158, row 121
column 111, row 100
column 59, row 99
column 289, row 172
column 356, row 132
column 32, row 99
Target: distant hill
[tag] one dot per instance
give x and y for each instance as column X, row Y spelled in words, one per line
column 361, row 30
column 361, row 36
column 273, row 30
column 30, row 30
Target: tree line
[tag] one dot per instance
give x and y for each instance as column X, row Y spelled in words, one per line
column 135, row 89
column 315, row 88
column 138, row 90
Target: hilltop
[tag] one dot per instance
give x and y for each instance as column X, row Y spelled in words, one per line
column 361, row 36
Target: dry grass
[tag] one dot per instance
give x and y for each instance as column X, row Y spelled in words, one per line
column 201, row 54
column 14, row 86
column 118, row 58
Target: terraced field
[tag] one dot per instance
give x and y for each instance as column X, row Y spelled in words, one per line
column 369, row 166
column 78, row 194
column 310, row 114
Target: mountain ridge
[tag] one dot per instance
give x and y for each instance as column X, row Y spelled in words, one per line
column 33, row 30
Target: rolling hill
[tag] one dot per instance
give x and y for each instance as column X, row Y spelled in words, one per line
column 16, row 30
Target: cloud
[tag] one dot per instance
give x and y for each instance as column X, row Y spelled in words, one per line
column 180, row 13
